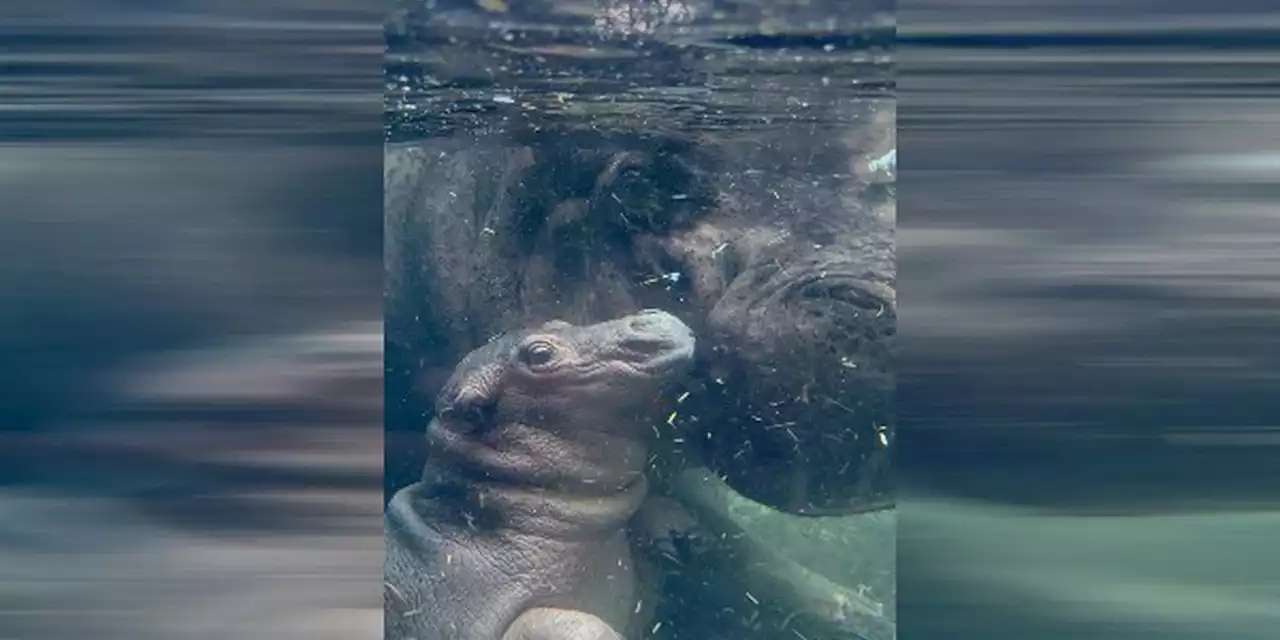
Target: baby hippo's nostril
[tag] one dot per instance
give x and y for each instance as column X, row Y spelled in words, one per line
column 647, row 320
column 645, row 346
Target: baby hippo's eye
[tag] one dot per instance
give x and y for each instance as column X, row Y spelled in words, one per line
column 538, row 354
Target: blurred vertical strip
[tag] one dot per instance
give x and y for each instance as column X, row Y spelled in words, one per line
column 1090, row 278
column 190, row 319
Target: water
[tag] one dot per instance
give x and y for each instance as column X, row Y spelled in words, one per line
column 696, row 70
column 799, row 101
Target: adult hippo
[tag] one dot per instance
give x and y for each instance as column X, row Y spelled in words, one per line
column 770, row 248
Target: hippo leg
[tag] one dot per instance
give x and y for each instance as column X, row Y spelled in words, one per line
column 698, row 535
column 545, row 623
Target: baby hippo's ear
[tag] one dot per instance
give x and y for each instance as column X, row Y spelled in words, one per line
column 472, row 398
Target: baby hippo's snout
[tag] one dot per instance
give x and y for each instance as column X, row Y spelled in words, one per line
column 660, row 328
column 654, row 341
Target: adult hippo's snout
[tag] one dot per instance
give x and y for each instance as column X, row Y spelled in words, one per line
column 822, row 307
column 799, row 354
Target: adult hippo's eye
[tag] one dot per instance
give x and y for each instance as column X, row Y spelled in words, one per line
column 538, row 354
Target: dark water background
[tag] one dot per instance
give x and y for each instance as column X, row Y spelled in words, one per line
column 1087, row 255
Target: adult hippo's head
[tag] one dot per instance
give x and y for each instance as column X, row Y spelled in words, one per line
column 791, row 274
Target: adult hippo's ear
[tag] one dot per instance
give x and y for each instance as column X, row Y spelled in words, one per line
column 472, row 398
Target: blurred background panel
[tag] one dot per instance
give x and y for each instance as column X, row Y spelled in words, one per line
column 1089, row 273
column 190, row 347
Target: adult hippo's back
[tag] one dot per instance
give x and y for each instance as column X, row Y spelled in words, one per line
column 517, row 530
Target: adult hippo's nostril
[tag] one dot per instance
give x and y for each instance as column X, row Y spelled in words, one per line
column 843, row 290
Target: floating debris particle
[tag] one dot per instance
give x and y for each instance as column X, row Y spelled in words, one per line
column 669, row 278
column 887, row 162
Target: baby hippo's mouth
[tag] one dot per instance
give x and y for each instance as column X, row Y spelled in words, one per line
column 653, row 342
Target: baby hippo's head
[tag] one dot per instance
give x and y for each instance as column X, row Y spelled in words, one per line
column 559, row 377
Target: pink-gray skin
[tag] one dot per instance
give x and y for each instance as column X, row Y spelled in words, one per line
column 536, row 461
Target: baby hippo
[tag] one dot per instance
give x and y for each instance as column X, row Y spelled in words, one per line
column 537, row 454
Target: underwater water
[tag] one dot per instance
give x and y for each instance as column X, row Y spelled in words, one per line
column 799, row 101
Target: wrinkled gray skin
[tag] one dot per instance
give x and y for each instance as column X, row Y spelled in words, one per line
column 792, row 284
column 517, row 529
